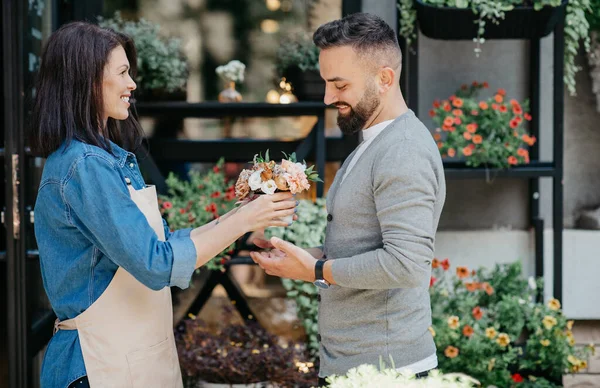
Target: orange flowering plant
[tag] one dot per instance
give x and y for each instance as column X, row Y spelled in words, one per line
column 491, row 326
column 487, row 132
column 197, row 201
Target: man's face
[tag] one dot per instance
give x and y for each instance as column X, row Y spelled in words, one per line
column 349, row 87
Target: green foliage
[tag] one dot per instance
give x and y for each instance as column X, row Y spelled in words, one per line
column 489, row 325
column 307, row 232
column 297, row 50
column 576, row 24
column 198, row 201
column 161, row 64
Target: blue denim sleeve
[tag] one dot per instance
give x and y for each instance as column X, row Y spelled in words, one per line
column 177, row 233
column 99, row 205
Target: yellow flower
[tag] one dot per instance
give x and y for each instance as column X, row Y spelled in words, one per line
column 491, row 333
column 432, row 331
column 592, row 348
column 583, row 364
column 573, row 360
column 549, row 322
column 570, row 338
column 491, row 364
column 503, row 340
column 554, row 304
column 545, row 342
column 570, row 325
column 453, row 322
column 255, row 351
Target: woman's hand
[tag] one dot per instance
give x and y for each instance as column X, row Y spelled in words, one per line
column 266, row 211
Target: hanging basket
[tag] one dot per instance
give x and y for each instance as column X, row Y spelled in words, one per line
column 449, row 23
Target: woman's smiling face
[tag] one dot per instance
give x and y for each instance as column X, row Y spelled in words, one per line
column 117, row 86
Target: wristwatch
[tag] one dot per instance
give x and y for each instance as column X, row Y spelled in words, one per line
column 319, row 279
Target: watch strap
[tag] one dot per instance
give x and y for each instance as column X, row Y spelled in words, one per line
column 319, row 269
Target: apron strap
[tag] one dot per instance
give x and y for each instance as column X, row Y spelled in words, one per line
column 68, row 324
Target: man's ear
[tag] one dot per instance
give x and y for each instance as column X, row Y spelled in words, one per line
column 386, row 78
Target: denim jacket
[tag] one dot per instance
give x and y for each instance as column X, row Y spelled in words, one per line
column 86, row 226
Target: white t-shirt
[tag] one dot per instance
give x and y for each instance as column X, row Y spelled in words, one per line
column 369, row 135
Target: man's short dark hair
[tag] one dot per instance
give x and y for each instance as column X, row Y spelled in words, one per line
column 365, row 33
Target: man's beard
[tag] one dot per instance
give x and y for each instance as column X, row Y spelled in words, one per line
column 356, row 119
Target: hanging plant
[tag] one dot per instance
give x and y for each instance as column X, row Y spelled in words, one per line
column 488, row 15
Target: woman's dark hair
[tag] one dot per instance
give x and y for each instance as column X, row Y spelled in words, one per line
column 68, row 102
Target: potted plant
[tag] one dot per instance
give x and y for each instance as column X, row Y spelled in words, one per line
column 297, row 60
column 491, row 326
column 162, row 69
column 593, row 55
column 197, row 201
column 307, row 232
column 483, row 131
column 499, row 19
column 240, row 355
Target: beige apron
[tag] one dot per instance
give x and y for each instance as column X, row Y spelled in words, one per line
column 126, row 335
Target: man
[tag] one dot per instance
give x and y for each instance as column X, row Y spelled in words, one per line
column 384, row 206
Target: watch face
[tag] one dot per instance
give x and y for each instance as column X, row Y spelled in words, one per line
column 321, row 283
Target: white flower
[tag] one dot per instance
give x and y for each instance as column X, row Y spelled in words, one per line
column 301, row 166
column 255, row 180
column 531, row 282
column 233, row 71
column 268, row 187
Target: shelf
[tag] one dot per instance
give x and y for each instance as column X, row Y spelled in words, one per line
column 213, row 109
column 458, row 170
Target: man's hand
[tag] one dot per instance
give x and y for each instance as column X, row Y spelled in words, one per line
column 285, row 260
column 317, row 253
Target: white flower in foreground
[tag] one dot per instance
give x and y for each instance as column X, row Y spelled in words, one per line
column 370, row 376
column 255, row 181
column 268, row 187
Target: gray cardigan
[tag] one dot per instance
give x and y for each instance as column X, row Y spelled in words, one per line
column 380, row 234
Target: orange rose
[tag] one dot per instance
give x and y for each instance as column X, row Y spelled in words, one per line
column 457, row 102
column 472, row 127
column 467, row 331
column 477, row 139
column 451, row 352
column 462, row 272
column 477, row 313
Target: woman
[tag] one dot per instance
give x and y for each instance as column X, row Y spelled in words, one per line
column 107, row 257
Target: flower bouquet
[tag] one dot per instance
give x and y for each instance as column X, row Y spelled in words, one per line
column 489, row 132
column 267, row 177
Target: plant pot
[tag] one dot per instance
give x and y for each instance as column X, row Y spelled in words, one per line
column 306, row 85
column 449, row 23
